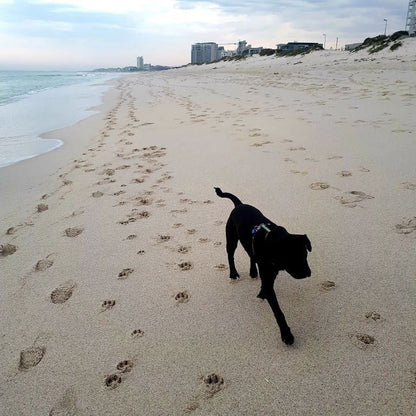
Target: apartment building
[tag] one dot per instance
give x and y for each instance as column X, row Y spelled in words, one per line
column 204, row 53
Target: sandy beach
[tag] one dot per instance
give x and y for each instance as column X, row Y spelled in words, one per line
column 115, row 295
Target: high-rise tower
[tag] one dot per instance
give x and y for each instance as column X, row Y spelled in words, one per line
column 411, row 18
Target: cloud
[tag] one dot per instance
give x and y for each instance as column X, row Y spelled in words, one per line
column 117, row 31
column 106, row 6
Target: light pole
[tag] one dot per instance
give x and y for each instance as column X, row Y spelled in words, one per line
column 385, row 27
column 324, row 35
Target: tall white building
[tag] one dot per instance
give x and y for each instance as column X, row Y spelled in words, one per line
column 140, row 63
column 204, row 53
column 411, row 18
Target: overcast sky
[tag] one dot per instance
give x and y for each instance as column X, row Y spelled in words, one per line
column 86, row 34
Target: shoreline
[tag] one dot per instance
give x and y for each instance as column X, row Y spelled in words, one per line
column 30, row 175
column 49, row 109
column 117, row 299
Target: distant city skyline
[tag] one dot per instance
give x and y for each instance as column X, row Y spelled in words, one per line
column 86, row 34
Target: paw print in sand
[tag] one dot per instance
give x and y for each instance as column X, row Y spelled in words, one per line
column 107, row 304
column 125, row 366
column 125, row 273
column 137, row 333
column 112, row 381
column 182, row 297
column 213, row 382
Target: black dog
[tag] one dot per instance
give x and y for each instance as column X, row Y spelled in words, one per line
column 271, row 247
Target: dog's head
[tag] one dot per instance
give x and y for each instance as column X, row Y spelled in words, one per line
column 291, row 254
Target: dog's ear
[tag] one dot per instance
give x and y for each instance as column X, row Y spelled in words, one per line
column 307, row 243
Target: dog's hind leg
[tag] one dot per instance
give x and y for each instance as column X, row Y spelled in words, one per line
column 232, row 241
column 253, row 267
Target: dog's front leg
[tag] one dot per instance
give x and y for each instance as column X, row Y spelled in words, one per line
column 267, row 292
column 285, row 333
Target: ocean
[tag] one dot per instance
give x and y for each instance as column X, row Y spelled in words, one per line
column 36, row 102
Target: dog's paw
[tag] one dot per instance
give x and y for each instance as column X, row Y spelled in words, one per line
column 253, row 274
column 234, row 275
column 287, row 337
column 262, row 294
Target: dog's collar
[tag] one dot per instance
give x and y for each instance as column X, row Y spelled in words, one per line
column 258, row 227
column 255, row 230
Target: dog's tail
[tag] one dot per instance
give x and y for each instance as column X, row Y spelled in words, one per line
column 233, row 198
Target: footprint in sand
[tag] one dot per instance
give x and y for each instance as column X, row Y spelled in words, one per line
column 125, row 273
column 407, row 226
column 123, row 167
column 119, row 193
column 327, row 285
column 143, row 201
column 73, row 232
column 66, row 406
column 31, row 357
column 362, row 341
column 109, row 172
column 97, row 194
column 62, row 293
column 138, row 180
column 344, row 173
column 221, row 267
column 334, row 157
column 143, row 214
column 137, row 333
column 177, row 225
column 183, row 249
column 375, row 316
column 76, row 213
column 12, row 230
column 163, row 238
column 112, row 381
column 141, row 252
column 204, row 240
column 191, row 231
column 213, row 382
column 186, row 265
column 182, row 297
column 293, row 149
column 350, row 199
column 42, row 207
column 409, row 185
column 125, row 366
column 43, row 264
column 317, row 186
column 107, row 304
column 7, row 250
